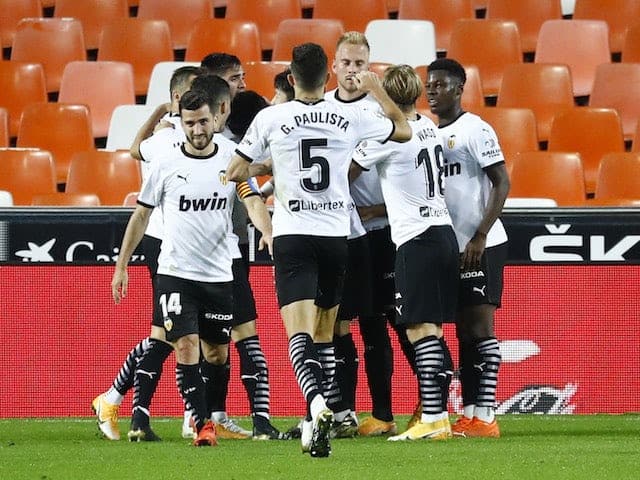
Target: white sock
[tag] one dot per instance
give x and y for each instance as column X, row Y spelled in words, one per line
column 218, row 417
column 430, row 417
column 486, row 414
column 468, row 410
column 341, row 415
column 317, row 405
column 113, row 396
column 444, row 415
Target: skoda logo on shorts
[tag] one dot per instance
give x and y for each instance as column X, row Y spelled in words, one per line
column 294, row 205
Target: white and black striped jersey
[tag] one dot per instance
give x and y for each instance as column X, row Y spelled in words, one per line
column 196, row 201
column 311, row 147
column 411, row 178
column 470, row 145
column 365, row 190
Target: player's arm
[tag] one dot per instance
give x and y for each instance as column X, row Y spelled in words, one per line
column 259, row 216
column 499, row 177
column 370, row 83
column 133, row 234
column 238, row 169
column 147, row 129
column 257, row 169
column 372, row 211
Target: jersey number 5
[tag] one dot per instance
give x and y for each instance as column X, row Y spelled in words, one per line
column 316, row 165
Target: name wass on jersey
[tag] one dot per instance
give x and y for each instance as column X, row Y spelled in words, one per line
column 311, row 147
column 196, row 201
column 412, row 180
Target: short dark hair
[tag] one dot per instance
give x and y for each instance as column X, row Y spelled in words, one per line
column 244, row 108
column 309, row 65
column 181, row 76
column 218, row 63
column 281, row 82
column 451, row 66
column 213, row 86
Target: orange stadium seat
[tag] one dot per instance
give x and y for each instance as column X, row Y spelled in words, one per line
column 379, row 68
column 64, row 199
column 529, row 15
column 237, row 37
column 619, row 14
column 355, row 16
column 4, row 127
column 21, row 84
column 591, row 132
column 93, row 14
column 11, row 12
column 626, row 101
column 110, row 175
column 131, row 200
column 292, row 32
column 555, row 175
column 52, row 42
column 60, row 128
column 580, row 44
column 139, row 41
column 267, row 14
column 619, row 176
column 25, row 173
column 181, row 15
column 102, row 86
column 259, row 76
column 442, row 14
column 631, row 46
column 544, row 88
column 500, row 43
column 515, row 127
column 635, row 145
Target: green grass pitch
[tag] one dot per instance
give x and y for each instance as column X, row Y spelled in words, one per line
column 531, row 447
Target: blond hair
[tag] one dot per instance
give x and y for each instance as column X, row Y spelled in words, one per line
column 353, row 38
column 403, row 84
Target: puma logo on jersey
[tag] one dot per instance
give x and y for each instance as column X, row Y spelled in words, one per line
column 184, row 177
column 480, row 290
column 201, row 204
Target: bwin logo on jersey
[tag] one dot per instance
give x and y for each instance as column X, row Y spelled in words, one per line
column 201, row 204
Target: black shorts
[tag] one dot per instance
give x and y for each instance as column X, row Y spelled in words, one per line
column 357, row 296
column 484, row 286
column 151, row 248
column 383, row 257
column 427, row 270
column 309, row 267
column 190, row 307
column 244, row 305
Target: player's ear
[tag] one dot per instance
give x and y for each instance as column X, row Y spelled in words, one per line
column 290, row 79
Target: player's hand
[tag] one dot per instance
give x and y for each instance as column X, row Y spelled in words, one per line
column 266, row 241
column 473, row 252
column 367, row 81
column 119, row 284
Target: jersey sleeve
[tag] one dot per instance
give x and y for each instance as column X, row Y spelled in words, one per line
column 374, row 125
column 156, row 144
column 152, row 187
column 484, row 145
column 253, row 145
column 368, row 153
